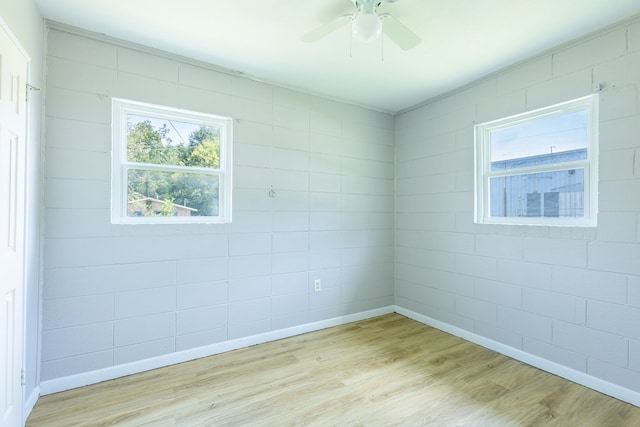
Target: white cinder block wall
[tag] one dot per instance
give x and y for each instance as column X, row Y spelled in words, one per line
column 120, row 294
column 115, row 294
column 565, row 295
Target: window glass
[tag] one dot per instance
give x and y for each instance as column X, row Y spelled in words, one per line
column 539, row 167
column 169, row 165
column 544, row 194
column 538, row 140
column 185, row 193
column 172, row 142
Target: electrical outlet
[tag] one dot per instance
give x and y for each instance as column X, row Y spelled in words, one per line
column 317, row 285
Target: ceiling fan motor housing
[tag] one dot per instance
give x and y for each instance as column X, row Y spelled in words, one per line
column 366, row 25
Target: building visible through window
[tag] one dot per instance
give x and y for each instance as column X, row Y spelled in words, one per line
column 539, row 167
column 545, row 194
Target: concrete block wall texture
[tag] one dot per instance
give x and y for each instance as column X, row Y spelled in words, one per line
column 379, row 208
column 114, row 294
column 567, row 295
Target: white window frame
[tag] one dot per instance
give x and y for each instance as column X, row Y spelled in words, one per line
column 483, row 172
column 120, row 165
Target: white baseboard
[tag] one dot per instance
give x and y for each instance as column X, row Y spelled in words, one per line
column 30, row 403
column 93, row 377
column 581, row 378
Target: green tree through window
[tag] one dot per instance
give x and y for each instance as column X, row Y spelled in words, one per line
column 149, row 144
column 169, row 165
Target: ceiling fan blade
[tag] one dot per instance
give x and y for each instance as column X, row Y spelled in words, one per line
column 326, row 29
column 399, row 33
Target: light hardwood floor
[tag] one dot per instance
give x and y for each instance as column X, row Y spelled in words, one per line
column 389, row 370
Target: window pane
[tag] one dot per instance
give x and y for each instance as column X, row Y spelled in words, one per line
column 155, row 193
column 172, row 142
column 548, row 140
column 546, row 194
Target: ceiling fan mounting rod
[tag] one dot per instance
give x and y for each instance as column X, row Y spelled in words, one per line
column 367, row 6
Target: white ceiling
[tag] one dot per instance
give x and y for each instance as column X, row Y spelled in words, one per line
column 462, row 40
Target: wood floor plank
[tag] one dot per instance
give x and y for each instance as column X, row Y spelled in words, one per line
column 389, row 370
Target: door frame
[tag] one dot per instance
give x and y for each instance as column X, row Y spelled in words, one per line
column 26, row 248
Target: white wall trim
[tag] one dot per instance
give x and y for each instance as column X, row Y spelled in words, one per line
column 93, row 377
column 208, row 65
column 30, row 403
column 566, row 45
column 16, row 42
column 578, row 377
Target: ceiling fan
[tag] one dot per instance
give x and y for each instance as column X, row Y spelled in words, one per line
column 367, row 25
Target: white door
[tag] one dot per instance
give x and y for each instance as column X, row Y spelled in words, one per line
column 13, row 75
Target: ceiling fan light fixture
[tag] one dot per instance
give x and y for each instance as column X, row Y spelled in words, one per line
column 366, row 27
